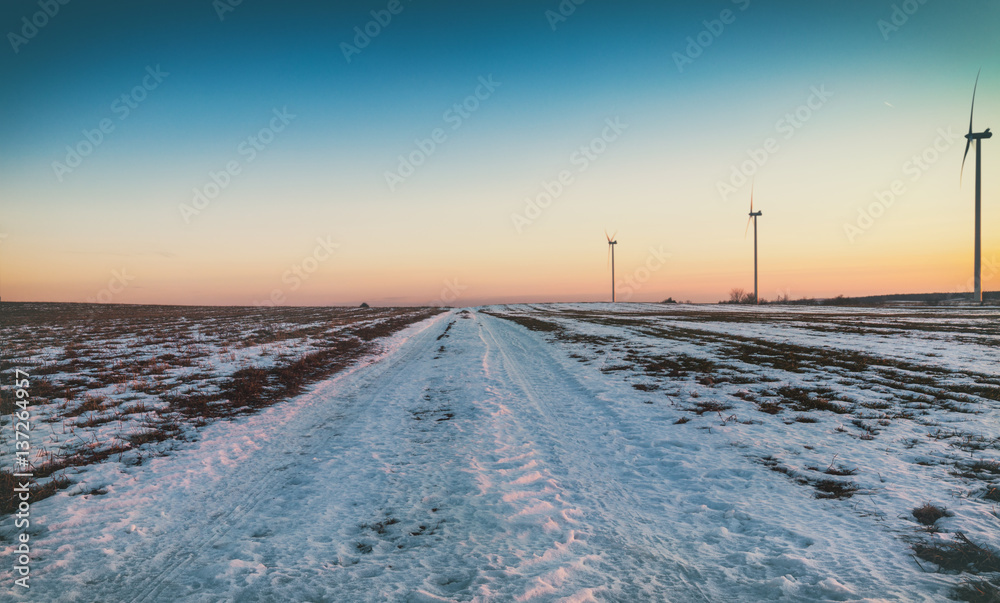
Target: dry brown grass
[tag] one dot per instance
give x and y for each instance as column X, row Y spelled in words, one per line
column 928, row 514
column 100, row 369
column 958, row 555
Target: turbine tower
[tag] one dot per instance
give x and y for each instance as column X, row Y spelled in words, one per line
column 611, row 258
column 753, row 218
column 977, row 296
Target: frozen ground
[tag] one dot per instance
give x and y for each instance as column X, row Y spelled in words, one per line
column 573, row 453
column 128, row 382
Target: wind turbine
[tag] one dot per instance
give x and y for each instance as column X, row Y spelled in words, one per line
column 978, row 294
column 611, row 258
column 753, row 218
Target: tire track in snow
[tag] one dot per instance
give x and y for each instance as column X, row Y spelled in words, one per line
column 525, row 475
column 560, row 407
column 420, row 439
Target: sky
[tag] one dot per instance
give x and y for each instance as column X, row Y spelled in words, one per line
column 402, row 152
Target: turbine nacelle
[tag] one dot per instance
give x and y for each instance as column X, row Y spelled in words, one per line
column 752, row 214
column 980, row 136
column 973, row 136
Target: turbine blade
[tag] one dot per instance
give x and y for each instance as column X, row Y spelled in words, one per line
column 609, row 254
column 748, row 227
column 972, row 113
column 752, row 184
column 613, row 236
column 607, row 235
column 961, row 174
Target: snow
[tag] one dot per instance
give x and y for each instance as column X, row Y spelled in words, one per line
column 476, row 460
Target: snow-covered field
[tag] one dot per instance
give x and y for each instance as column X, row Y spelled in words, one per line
column 570, row 453
column 129, row 382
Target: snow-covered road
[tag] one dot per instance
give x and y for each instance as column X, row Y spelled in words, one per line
column 471, row 462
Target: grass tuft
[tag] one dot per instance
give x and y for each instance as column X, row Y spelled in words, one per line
column 977, row 591
column 959, row 555
column 927, row 513
column 9, row 498
column 831, row 488
column 705, row 406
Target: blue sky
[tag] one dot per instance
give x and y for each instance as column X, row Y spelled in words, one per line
column 325, row 174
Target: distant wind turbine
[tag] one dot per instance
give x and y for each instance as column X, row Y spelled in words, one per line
column 753, row 218
column 978, row 294
column 611, row 258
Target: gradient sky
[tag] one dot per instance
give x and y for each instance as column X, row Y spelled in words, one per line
column 446, row 233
